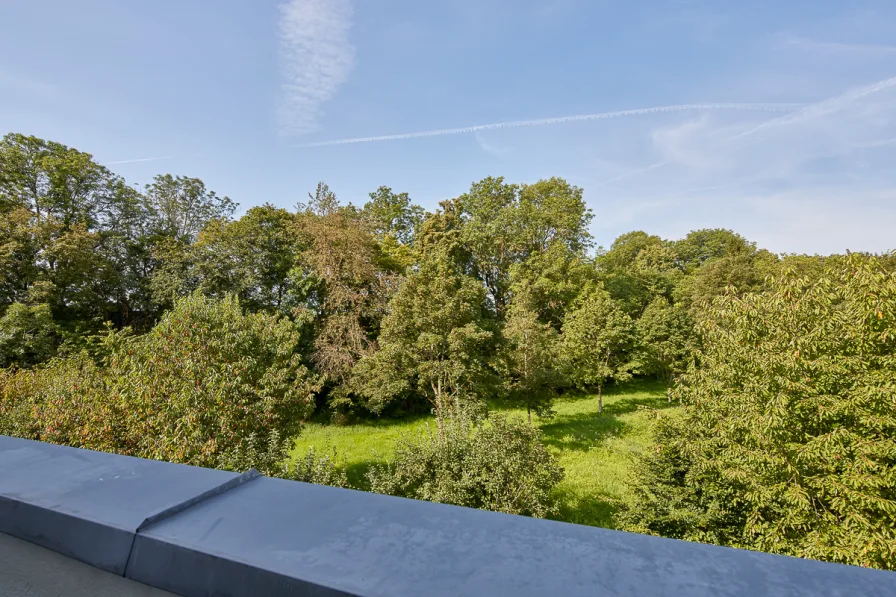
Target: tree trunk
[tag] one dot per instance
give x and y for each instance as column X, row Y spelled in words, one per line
column 600, row 399
column 669, row 389
column 529, row 413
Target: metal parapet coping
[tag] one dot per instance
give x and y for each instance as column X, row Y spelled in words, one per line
column 176, row 509
column 185, row 530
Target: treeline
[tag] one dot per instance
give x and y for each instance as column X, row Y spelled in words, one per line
column 151, row 322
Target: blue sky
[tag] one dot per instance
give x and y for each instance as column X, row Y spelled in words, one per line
column 787, row 132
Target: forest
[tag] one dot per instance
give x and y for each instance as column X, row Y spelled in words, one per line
column 150, row 321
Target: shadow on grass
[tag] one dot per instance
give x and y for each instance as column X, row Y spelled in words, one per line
column 591, row 510
column 583, row 431
column 357, row 474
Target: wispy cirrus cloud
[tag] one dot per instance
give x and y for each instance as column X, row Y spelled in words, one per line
column 316, row 57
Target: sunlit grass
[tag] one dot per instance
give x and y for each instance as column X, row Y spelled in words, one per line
column 597, row 452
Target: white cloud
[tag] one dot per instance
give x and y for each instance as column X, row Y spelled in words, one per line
column 316, row 57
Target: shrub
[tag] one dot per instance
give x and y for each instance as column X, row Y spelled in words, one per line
column 208, row 386
column 498, row 465
column 28, row 335
column 787, row 441
column 322, row 470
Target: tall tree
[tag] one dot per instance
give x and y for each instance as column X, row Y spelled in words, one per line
column 699, row 246
column 667, row 340
column 180, row 207
column 596, row 342
column 346, row 290
column 529, row 362
column 434, row 343
column 251, row 257
column 787, row 438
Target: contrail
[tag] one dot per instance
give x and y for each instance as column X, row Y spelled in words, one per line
column 823, row 107
column 560, row 120
column 166, row 157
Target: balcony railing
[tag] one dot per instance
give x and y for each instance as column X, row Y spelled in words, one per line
column 195, row 531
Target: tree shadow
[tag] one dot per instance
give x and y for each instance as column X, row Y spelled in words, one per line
column 584, row 431
column 580, row 432
column 357, row 473
column 593, row 510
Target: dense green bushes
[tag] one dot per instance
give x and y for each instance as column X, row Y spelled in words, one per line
column 209, row 386
column 498, row 465
column 787, row 442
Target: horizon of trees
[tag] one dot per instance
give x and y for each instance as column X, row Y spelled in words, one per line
column 156, row 324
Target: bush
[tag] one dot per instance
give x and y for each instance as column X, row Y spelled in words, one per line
column 28, row 335
column 322, row 470
column 208, row 386
column 498, row 465
column 787, row 440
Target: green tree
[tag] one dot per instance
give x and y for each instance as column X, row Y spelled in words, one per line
column 699, row 246
column 502, row 224
column 529, row 363
column 180, row 207
column 550, row 281
column 393, row 215
column 787, row 439
column 596, row 342
column 205, row 380
column 637, row 269
column 251, row 257
column 434, row 343
column 667, row 340
column 742, row 272
column 28, row 335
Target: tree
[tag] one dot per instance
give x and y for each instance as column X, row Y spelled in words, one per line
column 504, row 224
column 392, row 215
column 787, row 437
column 699, row 246
column 529, row 360
column 667, row 340
column 434, row 342
column 550, row 281
column 344, row 288
column 180, row 207
column 28, row 335
column 53, row 181
column 742, row 272
column 637, row 269
column 596, row 340
column 251, row 257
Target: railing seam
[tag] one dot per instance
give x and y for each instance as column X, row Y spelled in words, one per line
column 176, row 509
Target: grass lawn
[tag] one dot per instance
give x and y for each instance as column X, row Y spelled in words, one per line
column 595, row 451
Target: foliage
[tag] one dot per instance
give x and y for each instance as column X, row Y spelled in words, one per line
column 529, row 363
column 180, row 206
column 787, row 441
column 339, row 268
column 322, row 470
column 499, row 465
column 666, row 340
column 207, row 386
column 501, row 224
column 28, row 335
column 434, row 343
column 596, row 342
